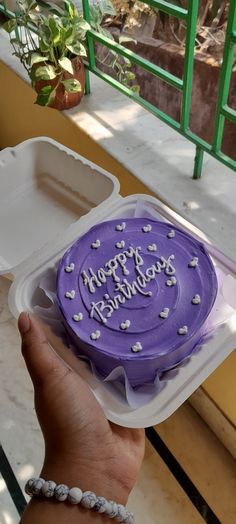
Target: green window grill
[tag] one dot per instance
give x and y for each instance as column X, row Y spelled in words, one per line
column 184, row 84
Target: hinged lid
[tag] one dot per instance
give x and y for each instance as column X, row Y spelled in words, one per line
column 44, row 189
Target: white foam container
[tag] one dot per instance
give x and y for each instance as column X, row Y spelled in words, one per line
column 49, row 196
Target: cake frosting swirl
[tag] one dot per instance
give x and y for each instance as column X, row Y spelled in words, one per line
column 135, row 293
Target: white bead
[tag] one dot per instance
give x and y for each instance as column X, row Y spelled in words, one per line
column 89, row 499
column 48, row 488
column 108, row 510
column 114, row 509
column 29, row 485
column 75, row 495
column 37, row 486
column 121, row 513
column 100, row 505
column 61, row 492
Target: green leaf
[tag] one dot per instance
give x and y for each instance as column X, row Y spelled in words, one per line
column 36, row 58
column 135, row 89
column 126, row 38
column 127, row 61
column 44, row 46
column 129, row 75
column 72, row 85
column 45, row 96
column 66, row 64
column 46, row 72
column 104, row 32
column 95, row 15
column 69, row 35
column 77, row 49
column 107, row 8
column 55, row 30
column 85, row 26
column 70, row 8
column 10, row 25
column 54, row 8
column 35, row 17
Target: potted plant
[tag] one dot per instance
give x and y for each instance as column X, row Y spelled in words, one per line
column 50, row 45
column 50, row 42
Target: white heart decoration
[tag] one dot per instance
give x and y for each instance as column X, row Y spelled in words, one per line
column 120, row 227
column 137, row 347
column 96, row 244
column 196, row 299
column 70, row 294
column 147, row 228
column 120, row 244
column 164, row 313
column 70, row 268
column 152, row 247
column 171, row 282
column 183, row 330
column 95, row 335
column 125, row 325
column 171, row 234
column 78, row 317
column 193, row 262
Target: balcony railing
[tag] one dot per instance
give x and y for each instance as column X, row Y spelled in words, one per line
column 184, row 84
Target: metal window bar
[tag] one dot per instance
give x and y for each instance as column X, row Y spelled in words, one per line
column 222, row 110
column 184, row 85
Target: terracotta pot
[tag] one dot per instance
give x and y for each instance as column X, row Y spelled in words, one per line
column 63, row 99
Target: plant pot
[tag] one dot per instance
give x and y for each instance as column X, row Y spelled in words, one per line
column 63, row 99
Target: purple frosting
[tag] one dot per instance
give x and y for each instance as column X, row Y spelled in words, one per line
column 135, row 293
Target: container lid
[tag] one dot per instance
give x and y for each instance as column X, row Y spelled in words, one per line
column 45, row 188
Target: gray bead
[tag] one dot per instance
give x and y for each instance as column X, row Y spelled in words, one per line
column 75, row 495
column 121, row 513
column 89, row 499
column 37, row 486
column 29, row 485
column 48, row 488
column 100, row 505
column 61, row 492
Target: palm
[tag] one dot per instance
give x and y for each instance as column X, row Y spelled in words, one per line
column 73, row 423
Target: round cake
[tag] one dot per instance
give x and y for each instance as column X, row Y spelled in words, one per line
column 135, row 293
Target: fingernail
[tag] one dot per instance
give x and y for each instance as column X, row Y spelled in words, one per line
column 24, row 323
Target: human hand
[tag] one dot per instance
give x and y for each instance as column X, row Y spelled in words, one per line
column 81, row 447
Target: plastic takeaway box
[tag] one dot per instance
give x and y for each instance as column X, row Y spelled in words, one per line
column 49, row 197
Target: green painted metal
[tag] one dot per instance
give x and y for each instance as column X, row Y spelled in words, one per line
column 198, row 161
column 169, row 9
column 229, row 113
column 136, row 59
column 184, row 84
column 225, row 77
column 188, row 64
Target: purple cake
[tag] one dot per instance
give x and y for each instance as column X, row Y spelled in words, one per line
column 135, row 293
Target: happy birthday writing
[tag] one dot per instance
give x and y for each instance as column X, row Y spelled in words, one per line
column 126, row 290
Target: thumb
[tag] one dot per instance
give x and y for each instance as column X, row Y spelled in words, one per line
column 41, row 360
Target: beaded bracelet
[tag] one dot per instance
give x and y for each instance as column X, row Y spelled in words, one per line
column 87, row 499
